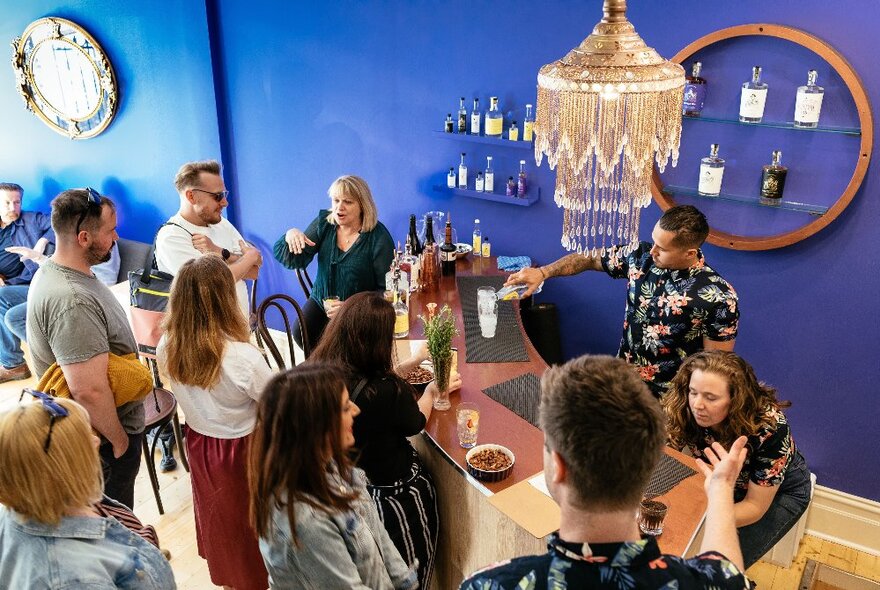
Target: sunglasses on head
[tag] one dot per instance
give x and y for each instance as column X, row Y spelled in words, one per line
column 93, row 199
column 218, row 196
column 56, row 411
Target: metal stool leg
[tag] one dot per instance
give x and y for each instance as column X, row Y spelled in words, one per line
column 151, row 469
column 178, row 432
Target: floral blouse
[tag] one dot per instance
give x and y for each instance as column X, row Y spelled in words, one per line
column 668, row 312
column 617, row 566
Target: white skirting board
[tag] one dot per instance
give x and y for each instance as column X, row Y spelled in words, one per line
column 845, row 519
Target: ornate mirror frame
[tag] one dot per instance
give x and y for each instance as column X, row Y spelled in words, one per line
column 79, row 98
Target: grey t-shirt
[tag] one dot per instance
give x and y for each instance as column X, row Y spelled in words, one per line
column 72, row 317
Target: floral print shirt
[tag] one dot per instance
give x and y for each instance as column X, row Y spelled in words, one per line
column 669, row 312
column 770, row 453
column 617, row 566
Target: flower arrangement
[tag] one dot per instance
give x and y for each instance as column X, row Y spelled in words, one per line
column 439, row 331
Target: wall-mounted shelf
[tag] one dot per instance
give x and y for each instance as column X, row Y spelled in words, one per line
column 523, row 145
column 530, row 199
column 855, row 131
column 783, row 204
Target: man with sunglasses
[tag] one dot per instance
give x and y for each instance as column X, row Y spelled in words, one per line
column 199, row 228
column 74, row 320
column 17, row 229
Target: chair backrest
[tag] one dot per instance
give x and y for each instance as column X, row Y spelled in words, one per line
column 305, row 281
column 131, row 256
column 282, row 303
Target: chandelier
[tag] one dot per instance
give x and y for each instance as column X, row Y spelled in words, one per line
column 606, row 112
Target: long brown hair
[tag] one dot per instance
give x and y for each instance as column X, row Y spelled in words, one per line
column 750, row 399
column 360, row 337
column 299, row 423
column 203, row 314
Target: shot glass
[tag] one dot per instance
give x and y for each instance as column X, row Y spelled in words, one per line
column 467, row 416
column 651, row 515
column 330, row 301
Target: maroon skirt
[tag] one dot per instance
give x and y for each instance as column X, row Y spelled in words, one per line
column 220, row 502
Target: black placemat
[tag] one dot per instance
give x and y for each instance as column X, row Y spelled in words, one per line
column 521, row 395
column 508, row 345
column 668, row 474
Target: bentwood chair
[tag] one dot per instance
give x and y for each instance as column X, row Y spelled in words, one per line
column 282, row 303
column 160, row 412
column 305, row 281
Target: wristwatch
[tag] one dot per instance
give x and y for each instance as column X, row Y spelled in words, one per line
column 225, row 254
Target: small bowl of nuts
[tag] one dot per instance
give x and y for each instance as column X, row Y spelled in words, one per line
column 490, row 462
column 420, row 376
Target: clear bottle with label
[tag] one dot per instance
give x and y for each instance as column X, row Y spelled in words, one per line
column 477, row 239
column 489, row 176
column 449, row 125
column 521, row 184
column 476, row 116
column 711, row 173
column 480, row 184
column 515, row 292
column 513, row 132
column 401, row 314
column 409, row 263
column 753, row 98
column 694, row 92
column 808, row 103
column 462, row 116
column 451, row 178
column 486, row 247
column 511, row 187
column 462, row 173
column 494, row 119
column 529, row 124
column 773, row 180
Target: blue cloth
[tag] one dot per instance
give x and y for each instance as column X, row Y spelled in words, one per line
column 78, row 552
column 27, row 229
column 13, row 311
column 513, row 263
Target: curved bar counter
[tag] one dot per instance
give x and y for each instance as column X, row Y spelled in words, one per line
column 483, row 523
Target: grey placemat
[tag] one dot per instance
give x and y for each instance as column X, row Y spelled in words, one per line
column 508, row 345
column 668, row 474
column 521, row 395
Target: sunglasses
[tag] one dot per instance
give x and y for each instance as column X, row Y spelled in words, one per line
column 56, row 411
column 218, row 196
column 93, row 199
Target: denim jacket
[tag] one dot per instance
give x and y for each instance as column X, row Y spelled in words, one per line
column 340, row 551
column 80, row 552
column 27, row 229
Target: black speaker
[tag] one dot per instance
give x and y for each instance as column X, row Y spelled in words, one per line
column 541, row 322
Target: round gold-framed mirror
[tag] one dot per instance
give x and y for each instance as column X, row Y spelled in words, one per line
column 65, row 78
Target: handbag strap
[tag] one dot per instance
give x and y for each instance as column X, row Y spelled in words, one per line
column 150, row 261
column 357, row 390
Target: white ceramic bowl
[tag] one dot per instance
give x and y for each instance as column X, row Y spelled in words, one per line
column 490, row 476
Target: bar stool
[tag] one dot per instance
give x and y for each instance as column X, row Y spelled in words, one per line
column 160, row 411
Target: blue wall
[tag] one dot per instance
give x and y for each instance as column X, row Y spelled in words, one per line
column 167, row 113
column 306, row 94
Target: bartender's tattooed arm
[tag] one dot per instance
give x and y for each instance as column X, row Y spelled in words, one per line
column 571, row 265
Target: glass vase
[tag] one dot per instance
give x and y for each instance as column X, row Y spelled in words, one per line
column 442, row 370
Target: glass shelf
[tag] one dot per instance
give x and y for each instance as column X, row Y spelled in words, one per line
column 855, row 131
column 523, row 145
column 816, row 210
column 530, row 199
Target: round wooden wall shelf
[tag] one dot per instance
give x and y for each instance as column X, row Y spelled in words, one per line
column 866, row 121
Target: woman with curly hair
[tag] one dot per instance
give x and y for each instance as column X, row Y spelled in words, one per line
column 715, row 397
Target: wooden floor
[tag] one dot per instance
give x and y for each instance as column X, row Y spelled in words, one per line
column 177, row 531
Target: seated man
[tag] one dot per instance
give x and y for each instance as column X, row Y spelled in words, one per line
column 17, row 228
column 603, row 435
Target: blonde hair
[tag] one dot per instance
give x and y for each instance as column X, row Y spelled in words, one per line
column 188, row 174
column 358, row 189
column 203, row 314
column 41, row 485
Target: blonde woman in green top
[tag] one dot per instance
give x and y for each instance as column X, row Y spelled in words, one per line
column 354, row 252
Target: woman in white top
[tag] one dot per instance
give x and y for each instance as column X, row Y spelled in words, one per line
column 217, row 376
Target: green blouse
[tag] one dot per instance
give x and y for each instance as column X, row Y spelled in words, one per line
column 361, row 268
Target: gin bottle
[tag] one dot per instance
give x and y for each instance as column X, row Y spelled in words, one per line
column 773, row 180
column 694, row 92
column 475, row 118
column 489, row 176
column 462, row 116
column 447, row 127
column 529, row 124
column 477, row 239
column 480, row 184
column 451, row 178
column 513, row 132
column 711, row 172
column 462, row 172
column 494, row 119
column 753, row 98
column 808, row 104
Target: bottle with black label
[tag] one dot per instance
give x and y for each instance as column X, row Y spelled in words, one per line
column 448, row 252
column 462, row 117
column 773, row 180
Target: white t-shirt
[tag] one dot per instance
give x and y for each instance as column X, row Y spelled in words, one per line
column 229, row 409
column 174, row 247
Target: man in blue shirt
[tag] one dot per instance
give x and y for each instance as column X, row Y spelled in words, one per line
column 30, row 229
column 603, row 435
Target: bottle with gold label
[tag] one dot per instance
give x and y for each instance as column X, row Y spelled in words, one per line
column 494, row 119
column 477, row 239
column 529, row 124
column 513, row 132
column 486, row 247
column 773, row 180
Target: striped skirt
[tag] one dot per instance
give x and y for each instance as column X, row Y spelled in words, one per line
column 408, row 510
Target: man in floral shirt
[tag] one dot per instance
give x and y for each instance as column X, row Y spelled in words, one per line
column 676, row 304
column 603, row 435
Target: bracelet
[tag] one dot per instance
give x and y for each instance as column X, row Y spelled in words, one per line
column 543, row 276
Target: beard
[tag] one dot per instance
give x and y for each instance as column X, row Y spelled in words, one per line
column 94, row 255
